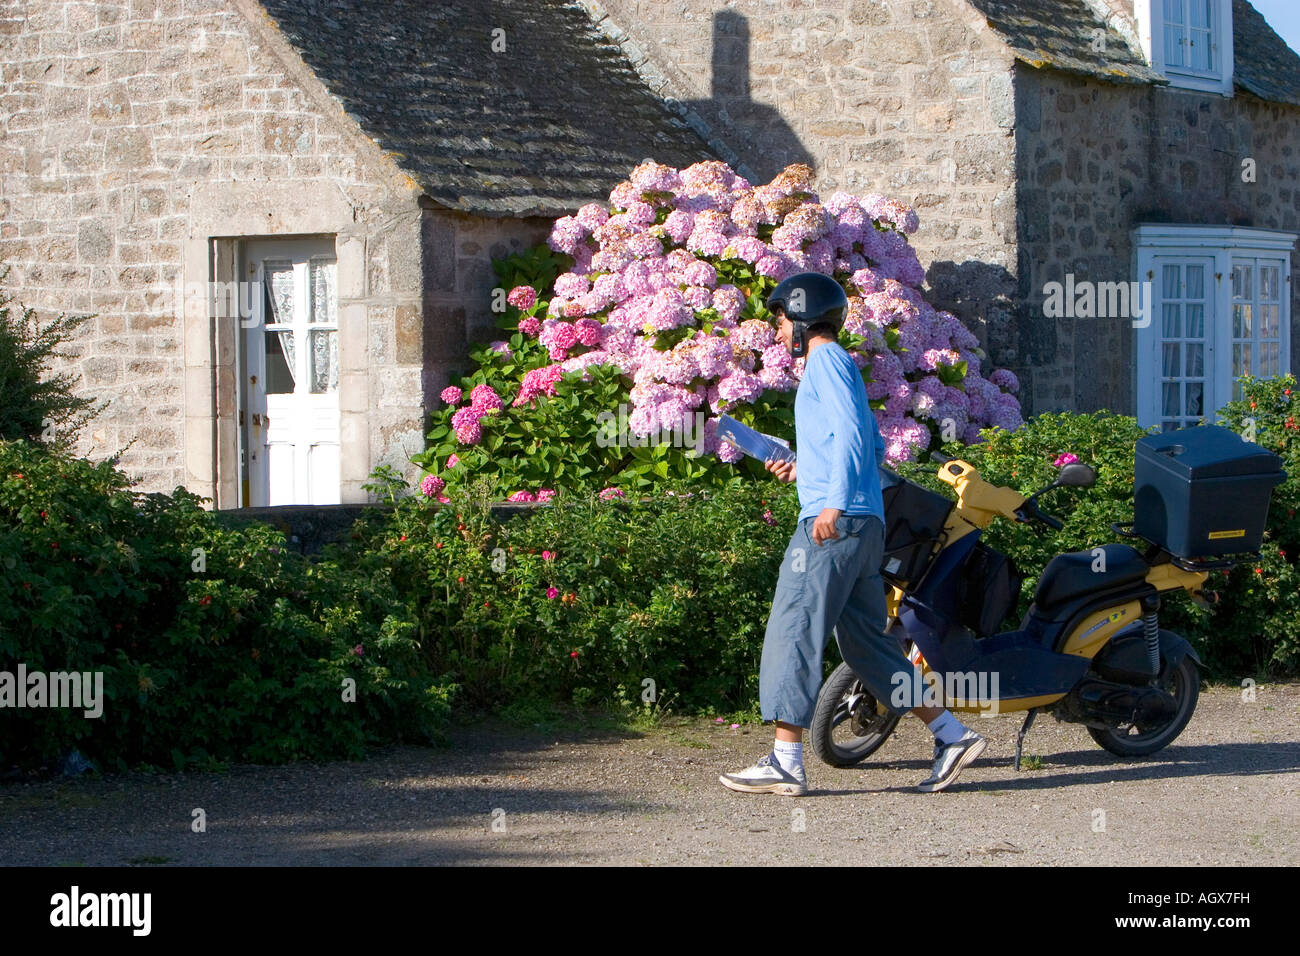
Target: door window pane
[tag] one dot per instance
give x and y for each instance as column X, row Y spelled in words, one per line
column 324, row 360
column 1240, row 360
column 1171, row 363
column 1170, row 401
column 324, row 299
column 279, row 292
column 1171, row 324
column 1241, row 321
column 279, row 363
column 1270, row 359
column 1270, row 283
column 1241, row 276
column 1268, row 321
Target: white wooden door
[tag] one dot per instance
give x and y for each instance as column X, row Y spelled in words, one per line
column 291, row 370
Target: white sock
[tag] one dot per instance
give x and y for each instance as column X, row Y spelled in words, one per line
column 947, row 729
column 789, row 755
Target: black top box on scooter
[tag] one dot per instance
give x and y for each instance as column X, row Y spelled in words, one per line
column 1203, row 492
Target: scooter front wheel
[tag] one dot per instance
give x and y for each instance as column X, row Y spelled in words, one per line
column 1184, row 683
column 847, row 726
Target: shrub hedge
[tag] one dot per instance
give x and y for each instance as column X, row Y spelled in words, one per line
column 214, row 644
column 242, row 655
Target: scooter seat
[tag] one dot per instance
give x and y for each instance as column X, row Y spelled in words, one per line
column 1069, row 576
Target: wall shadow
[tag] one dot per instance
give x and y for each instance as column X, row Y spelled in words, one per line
column 758, row 133
column 991, row 302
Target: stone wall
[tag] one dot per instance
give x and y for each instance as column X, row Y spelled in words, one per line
column 134, row 134
column 1095, row 160
column 910, row 99
column 458, row 288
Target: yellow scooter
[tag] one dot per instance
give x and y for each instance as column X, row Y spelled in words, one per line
column 1090, row 649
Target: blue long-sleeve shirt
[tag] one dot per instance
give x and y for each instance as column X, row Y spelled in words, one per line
column 838, row 441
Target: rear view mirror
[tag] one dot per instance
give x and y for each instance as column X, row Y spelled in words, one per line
column 1077, row 476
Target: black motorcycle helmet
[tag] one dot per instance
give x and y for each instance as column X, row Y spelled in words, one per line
column 809, row 299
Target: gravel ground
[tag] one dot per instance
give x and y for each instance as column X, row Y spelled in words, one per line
column 1226, row 793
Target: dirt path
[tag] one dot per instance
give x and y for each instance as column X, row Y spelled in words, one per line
column 1226, row 793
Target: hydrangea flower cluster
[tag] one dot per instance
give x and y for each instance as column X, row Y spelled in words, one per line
column 483, row 400
column 543, row 496
column 647, row 293
column 650, row 267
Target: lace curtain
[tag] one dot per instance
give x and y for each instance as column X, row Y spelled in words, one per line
column 279, row 295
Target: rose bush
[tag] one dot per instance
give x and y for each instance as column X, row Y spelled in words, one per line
column 657, row 304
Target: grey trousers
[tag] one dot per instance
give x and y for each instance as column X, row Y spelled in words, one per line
column 832, row 586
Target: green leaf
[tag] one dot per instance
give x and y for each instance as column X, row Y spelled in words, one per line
column 952, row 375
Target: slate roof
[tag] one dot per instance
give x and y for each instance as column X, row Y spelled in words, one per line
column 1264, row 64
column 1059, row 34
column 554, row 121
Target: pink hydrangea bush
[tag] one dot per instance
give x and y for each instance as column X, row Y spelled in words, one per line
column 665, row 290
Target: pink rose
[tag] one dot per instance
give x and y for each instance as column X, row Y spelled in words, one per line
column 552, row 593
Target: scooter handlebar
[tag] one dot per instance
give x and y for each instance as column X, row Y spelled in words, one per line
column 1030, row 511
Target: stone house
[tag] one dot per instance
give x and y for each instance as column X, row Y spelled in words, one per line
column 1085, row 143
column 283, row 212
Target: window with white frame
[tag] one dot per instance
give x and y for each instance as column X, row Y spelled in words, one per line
column 1189, row 41
column 1220, row 308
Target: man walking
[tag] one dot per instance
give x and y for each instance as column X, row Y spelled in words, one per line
column 830, row 577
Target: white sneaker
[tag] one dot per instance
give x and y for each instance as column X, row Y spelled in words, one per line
column 767, row 776
column 949, row 761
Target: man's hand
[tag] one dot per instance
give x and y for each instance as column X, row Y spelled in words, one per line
column 784, row 470
column 824, row 525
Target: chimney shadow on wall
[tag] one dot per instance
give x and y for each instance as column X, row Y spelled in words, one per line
column 757, row 132
column 988, row 301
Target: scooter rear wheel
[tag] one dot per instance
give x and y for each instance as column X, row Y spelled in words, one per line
column 847, row 726
column 1184, row 683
